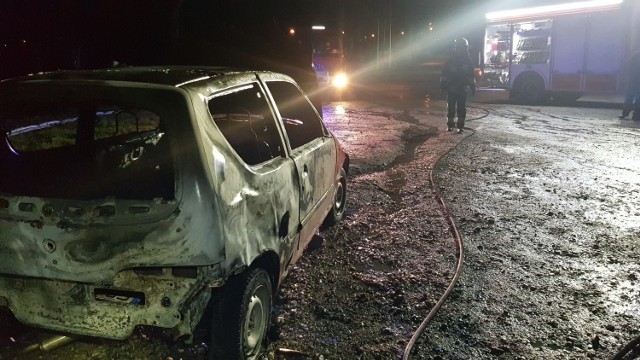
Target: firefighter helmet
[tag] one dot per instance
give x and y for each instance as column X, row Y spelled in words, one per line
column 461, row 44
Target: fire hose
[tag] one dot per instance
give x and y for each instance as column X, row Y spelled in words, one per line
column 456, row 234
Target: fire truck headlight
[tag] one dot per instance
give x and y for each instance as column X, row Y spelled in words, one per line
column 340, row 81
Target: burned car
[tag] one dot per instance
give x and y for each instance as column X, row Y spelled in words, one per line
column 144, row 196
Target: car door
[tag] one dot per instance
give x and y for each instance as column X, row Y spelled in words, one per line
column 260, row 192
column 313, row 150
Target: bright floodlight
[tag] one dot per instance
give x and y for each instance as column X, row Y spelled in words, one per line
column 340, row 80
column 317, row 27
column 551, row 10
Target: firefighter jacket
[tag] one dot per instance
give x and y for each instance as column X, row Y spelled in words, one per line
column 457, row 74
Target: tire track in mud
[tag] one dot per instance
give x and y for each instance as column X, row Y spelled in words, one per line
column 412, row 137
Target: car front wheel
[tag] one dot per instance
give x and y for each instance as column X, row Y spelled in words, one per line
column 339, row 202
column 241, row 317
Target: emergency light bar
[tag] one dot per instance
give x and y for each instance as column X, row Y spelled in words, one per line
column 553, row 10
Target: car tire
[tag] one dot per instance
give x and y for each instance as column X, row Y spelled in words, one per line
column 241, row 317
column 339, row 202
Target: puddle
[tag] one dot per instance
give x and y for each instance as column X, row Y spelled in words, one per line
column 413, row 138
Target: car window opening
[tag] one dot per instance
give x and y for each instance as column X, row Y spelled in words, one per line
column 86, row 151
column 245, row 120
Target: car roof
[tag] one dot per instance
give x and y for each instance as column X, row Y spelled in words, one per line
column 161, row 75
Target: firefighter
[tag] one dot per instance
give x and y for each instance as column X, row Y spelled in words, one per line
column 456, row 80
column 632, row 94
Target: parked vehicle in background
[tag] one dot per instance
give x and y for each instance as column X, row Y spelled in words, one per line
column 328, row 60
column 566, row 50
column 142, row 196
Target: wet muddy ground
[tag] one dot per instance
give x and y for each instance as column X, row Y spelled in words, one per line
column 547, row 203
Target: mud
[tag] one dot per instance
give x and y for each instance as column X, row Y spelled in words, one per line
column 546, row 203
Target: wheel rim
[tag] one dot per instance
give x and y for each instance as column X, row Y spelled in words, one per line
column 255, row 322
column 340, row 196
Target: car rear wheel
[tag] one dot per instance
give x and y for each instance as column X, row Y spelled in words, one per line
column 241, row 317
column 339, row 202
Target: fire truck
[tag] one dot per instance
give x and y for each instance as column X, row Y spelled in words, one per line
column 328, row 59
column 563, row 50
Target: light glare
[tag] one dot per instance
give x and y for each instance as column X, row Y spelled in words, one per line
column 340, row 81
column 551, row 10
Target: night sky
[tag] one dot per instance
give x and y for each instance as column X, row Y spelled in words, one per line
column 37, row 35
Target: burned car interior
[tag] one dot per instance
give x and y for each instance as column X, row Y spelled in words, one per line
column 86, row 151
column 244, row 118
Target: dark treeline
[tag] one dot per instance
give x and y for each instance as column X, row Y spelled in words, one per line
column 44, row 35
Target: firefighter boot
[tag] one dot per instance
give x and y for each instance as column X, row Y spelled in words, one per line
column 626, row 110
column 450, row 124
column 460, row 124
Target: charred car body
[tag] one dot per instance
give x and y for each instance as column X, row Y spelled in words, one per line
column 140, row 196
